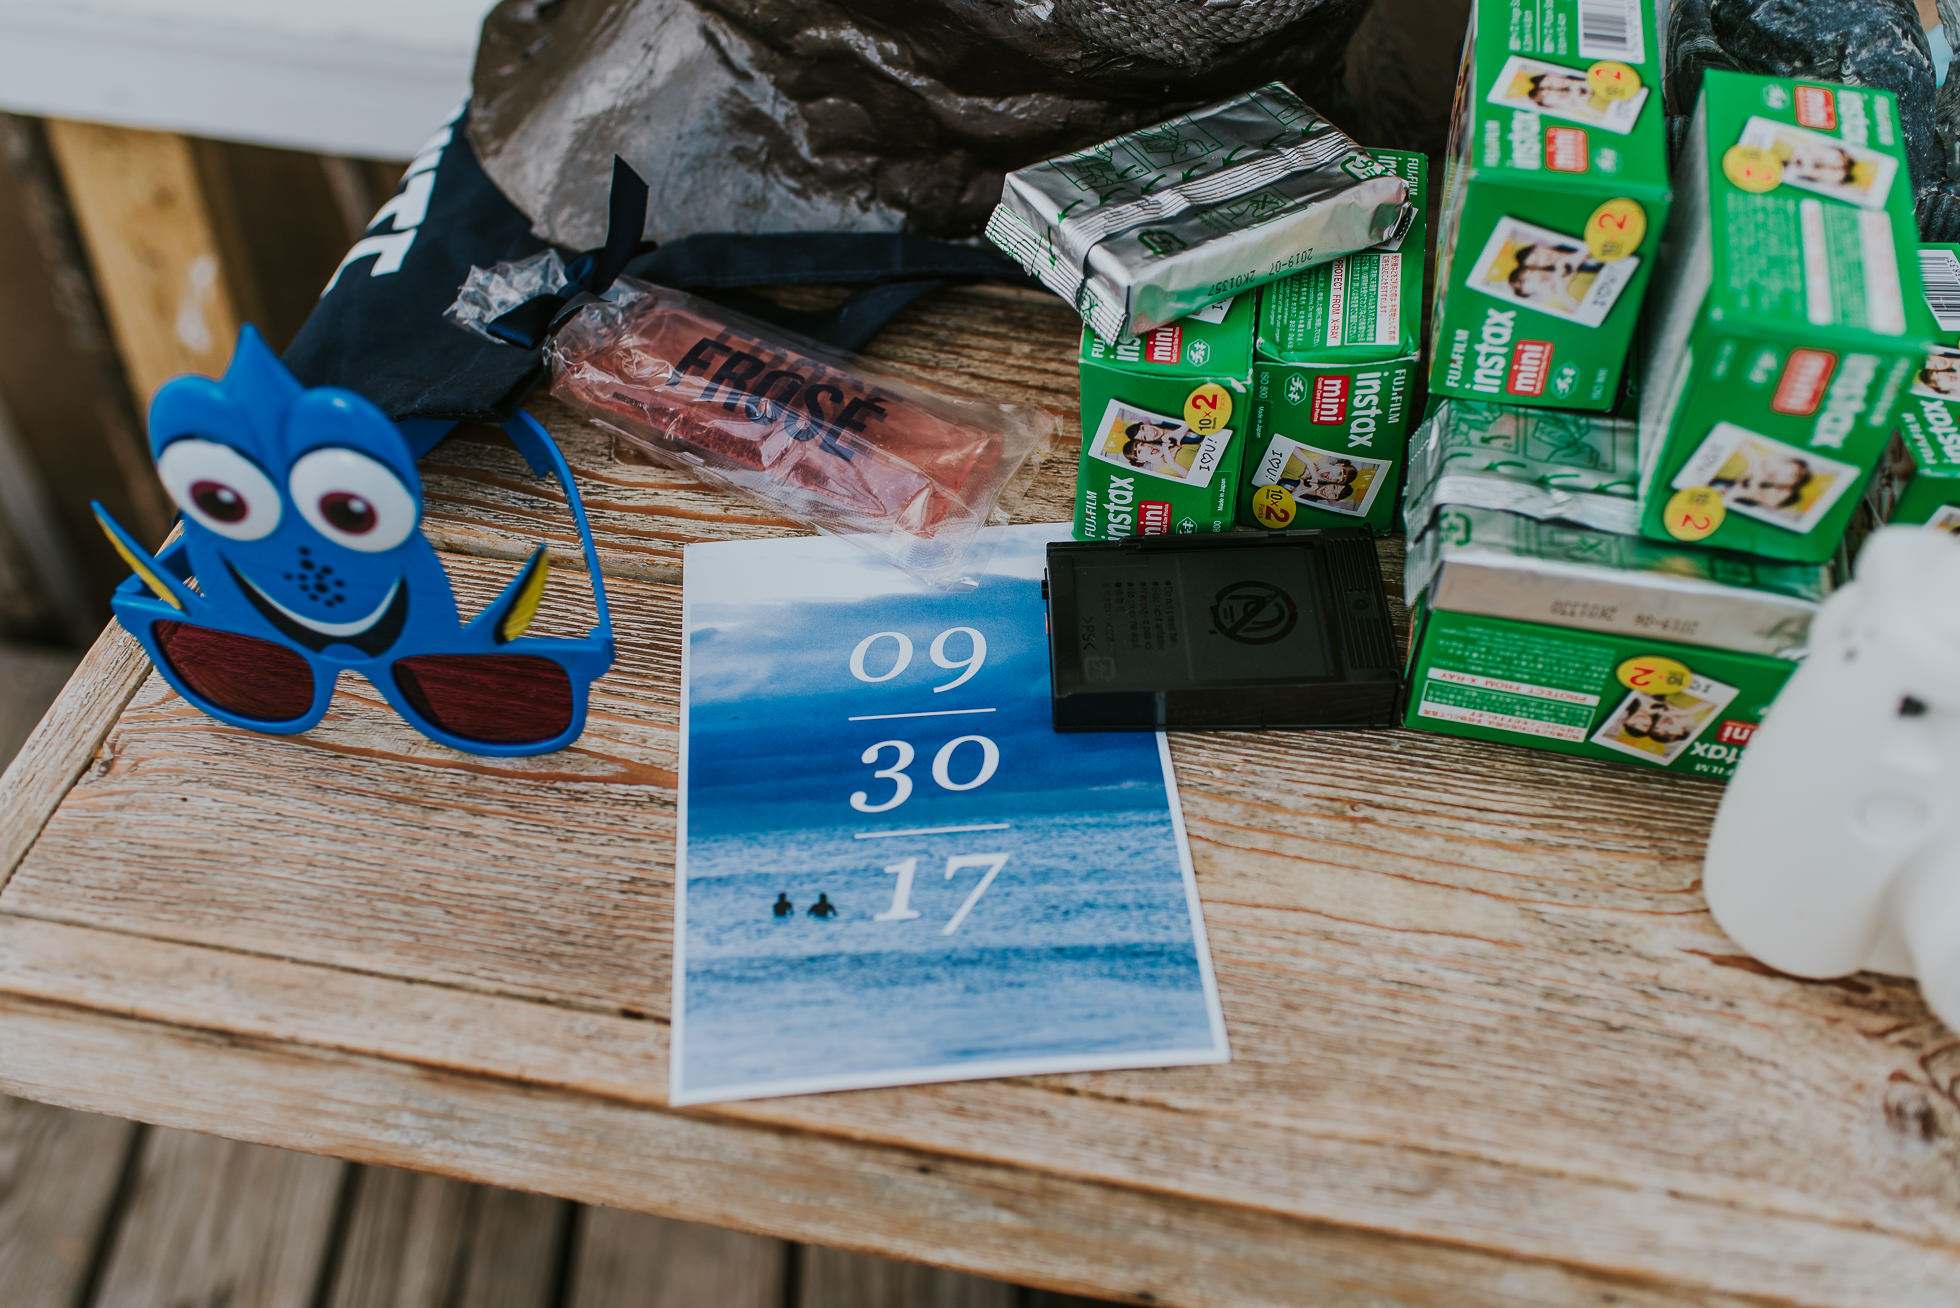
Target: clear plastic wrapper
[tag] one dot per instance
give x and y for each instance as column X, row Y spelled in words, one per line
column 908, row 472
column 1145, row 228
column 489, row 293
column 1556, row 466
column 1505, row 565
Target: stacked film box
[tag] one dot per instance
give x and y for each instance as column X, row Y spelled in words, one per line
column 1162, row 416
column 1919, row 479
column 1530, row 629
column 1789, row 320
column 1333, row 382
column 1554, row 199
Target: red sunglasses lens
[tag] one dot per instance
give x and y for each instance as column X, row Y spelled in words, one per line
column 494, row 699
column 243, row 675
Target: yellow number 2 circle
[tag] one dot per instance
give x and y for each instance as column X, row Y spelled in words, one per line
column 1610, row 79
column 1273, row 506
column 1616, row 230
column 1654, row 674
column 1208, row 409
column 1752, row 168
column 1694, row 513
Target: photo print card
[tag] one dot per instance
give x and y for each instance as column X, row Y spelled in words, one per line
column 1825, row 165
column 1337, row 481
column 1137, row 440
column 1765, row 479
column 1939, row 377
column 890, row 867
column 1946, row 518
column 1659, row 728
column 1556, row 91
column 1550, row 272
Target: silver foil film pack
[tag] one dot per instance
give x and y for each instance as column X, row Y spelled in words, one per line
column 1152, row 225
column 1578, row 468
column 1505, row 565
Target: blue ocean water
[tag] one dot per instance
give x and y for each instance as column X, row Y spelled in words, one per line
column 1084, row 945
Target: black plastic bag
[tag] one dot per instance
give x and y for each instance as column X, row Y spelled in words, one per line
column 1877, row 43
column 856, row 115
column 381, row 327
column 378, row 329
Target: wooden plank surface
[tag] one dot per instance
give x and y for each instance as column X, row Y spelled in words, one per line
column 62, row 383
column 58, row 1177
column 969, row 1214
column 138, row 200
column 65, row 740
column 32, row 677
column 1488, row 1045
column 631, row 1260
column 832, row 1278
column 183, row 1241
column 417, row 1241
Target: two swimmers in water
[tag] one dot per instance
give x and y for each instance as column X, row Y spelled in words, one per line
column 822, row 908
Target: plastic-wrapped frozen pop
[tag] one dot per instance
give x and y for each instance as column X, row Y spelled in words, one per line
column 907, row 471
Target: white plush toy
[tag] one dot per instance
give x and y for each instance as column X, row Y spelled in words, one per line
column 1837, row 846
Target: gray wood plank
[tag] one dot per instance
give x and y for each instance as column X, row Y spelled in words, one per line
column 514, row 1252
column 216, row 1224
column 416, row 1241
column 30, row 678
column 62, row 380
column 630, row 1260
column 58, row 1174
column 832, row 1278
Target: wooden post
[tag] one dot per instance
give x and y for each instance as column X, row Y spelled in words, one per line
column 154, row 248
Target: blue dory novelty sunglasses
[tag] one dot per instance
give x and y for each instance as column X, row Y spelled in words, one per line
column 302, row 512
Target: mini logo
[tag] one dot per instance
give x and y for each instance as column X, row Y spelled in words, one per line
column 1817, row 107
column 1732, row 732
column 1199, row 352
column 1330, row 397
column 1805, row 375
column 1565, row 149
column 1153, row 517
column 1253, row 613
column 1165, row 345
column 1531, row 361
column 1296, row 388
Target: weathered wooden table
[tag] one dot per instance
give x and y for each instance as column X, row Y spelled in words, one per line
column 1489, row 1047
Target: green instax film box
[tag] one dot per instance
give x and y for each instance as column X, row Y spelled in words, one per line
column 1554, row 198
column 1586, row 642
column 1333, row 380
column 1788, row 322
column 1161, row 417
column 1919, row 479
column 1574, row 692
